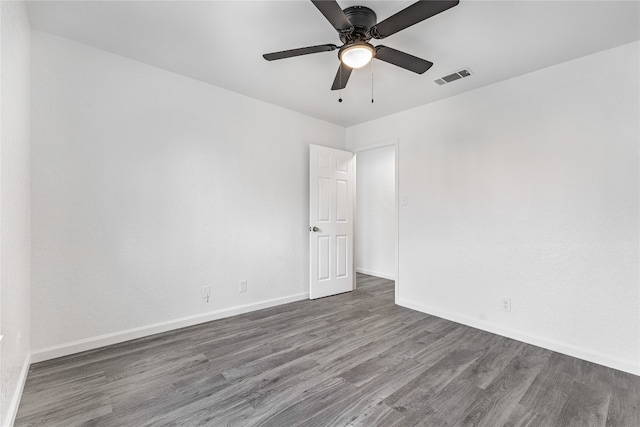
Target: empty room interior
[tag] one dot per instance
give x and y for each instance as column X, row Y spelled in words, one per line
column 320, row 213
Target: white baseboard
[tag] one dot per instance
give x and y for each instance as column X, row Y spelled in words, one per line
column 630, row 366
column 130, row 334
column 375, row 273
column 17, row 393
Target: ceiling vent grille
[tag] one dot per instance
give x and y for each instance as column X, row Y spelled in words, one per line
column 454, row 76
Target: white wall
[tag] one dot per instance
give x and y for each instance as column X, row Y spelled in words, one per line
column 147, row 186
column 375, row 237
column 527, row 189
column 14, row 206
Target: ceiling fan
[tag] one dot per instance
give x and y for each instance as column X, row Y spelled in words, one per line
column 357, row 25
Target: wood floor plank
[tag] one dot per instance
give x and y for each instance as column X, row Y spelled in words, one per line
column 523, row 416
column 310, row 403
column 415, row 395
column 624, row 405
column 505, row 391
column 367, row 407
column 354, row 359
column 454, row 399
column 586, row 406
column 373, row 367
column 379, row 415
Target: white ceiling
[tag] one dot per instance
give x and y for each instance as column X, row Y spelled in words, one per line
column 222, row 42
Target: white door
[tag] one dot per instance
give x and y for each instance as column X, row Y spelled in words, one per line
column 331, row 201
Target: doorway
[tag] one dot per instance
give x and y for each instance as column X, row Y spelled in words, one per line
column 376, row 219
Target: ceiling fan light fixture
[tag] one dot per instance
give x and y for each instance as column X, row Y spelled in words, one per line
column 356, row 55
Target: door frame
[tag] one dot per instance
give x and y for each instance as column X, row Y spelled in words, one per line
column 370, row 147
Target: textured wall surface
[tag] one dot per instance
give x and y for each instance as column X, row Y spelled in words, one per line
column 527, row 189
column 148, row 186
column 15, row 218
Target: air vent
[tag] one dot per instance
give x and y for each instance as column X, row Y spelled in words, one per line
column 454, row 76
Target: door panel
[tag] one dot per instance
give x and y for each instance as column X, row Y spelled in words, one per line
column 324, row 200
column 331, row 185
column 342, row 209
column 324, row 264
column 341, row 256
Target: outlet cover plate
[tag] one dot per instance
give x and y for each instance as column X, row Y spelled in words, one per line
column 206, row 293
column 506, row 304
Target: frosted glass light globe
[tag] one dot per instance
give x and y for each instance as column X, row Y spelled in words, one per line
column 357, row 56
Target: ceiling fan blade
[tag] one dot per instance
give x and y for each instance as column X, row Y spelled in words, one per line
column 402, row 60
column 342, row 77
column 334, row 14
column 413, row 14
column 298, row 52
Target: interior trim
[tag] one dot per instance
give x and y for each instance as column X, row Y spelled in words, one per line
column 12, row 411
column 626, row 365
column 66, row 349
column 375, row 273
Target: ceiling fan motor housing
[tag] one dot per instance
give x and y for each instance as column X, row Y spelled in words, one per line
column 362, row 18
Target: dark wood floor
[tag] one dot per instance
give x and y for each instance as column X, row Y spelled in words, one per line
column 350, row 360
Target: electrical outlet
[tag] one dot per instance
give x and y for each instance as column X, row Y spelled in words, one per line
column 506, row 304
column 243, row 286
column 206, row 293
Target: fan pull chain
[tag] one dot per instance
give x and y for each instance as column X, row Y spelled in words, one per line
column 372, row 80
column 340, row 92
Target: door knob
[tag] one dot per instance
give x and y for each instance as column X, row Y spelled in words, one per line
column 314, row 229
